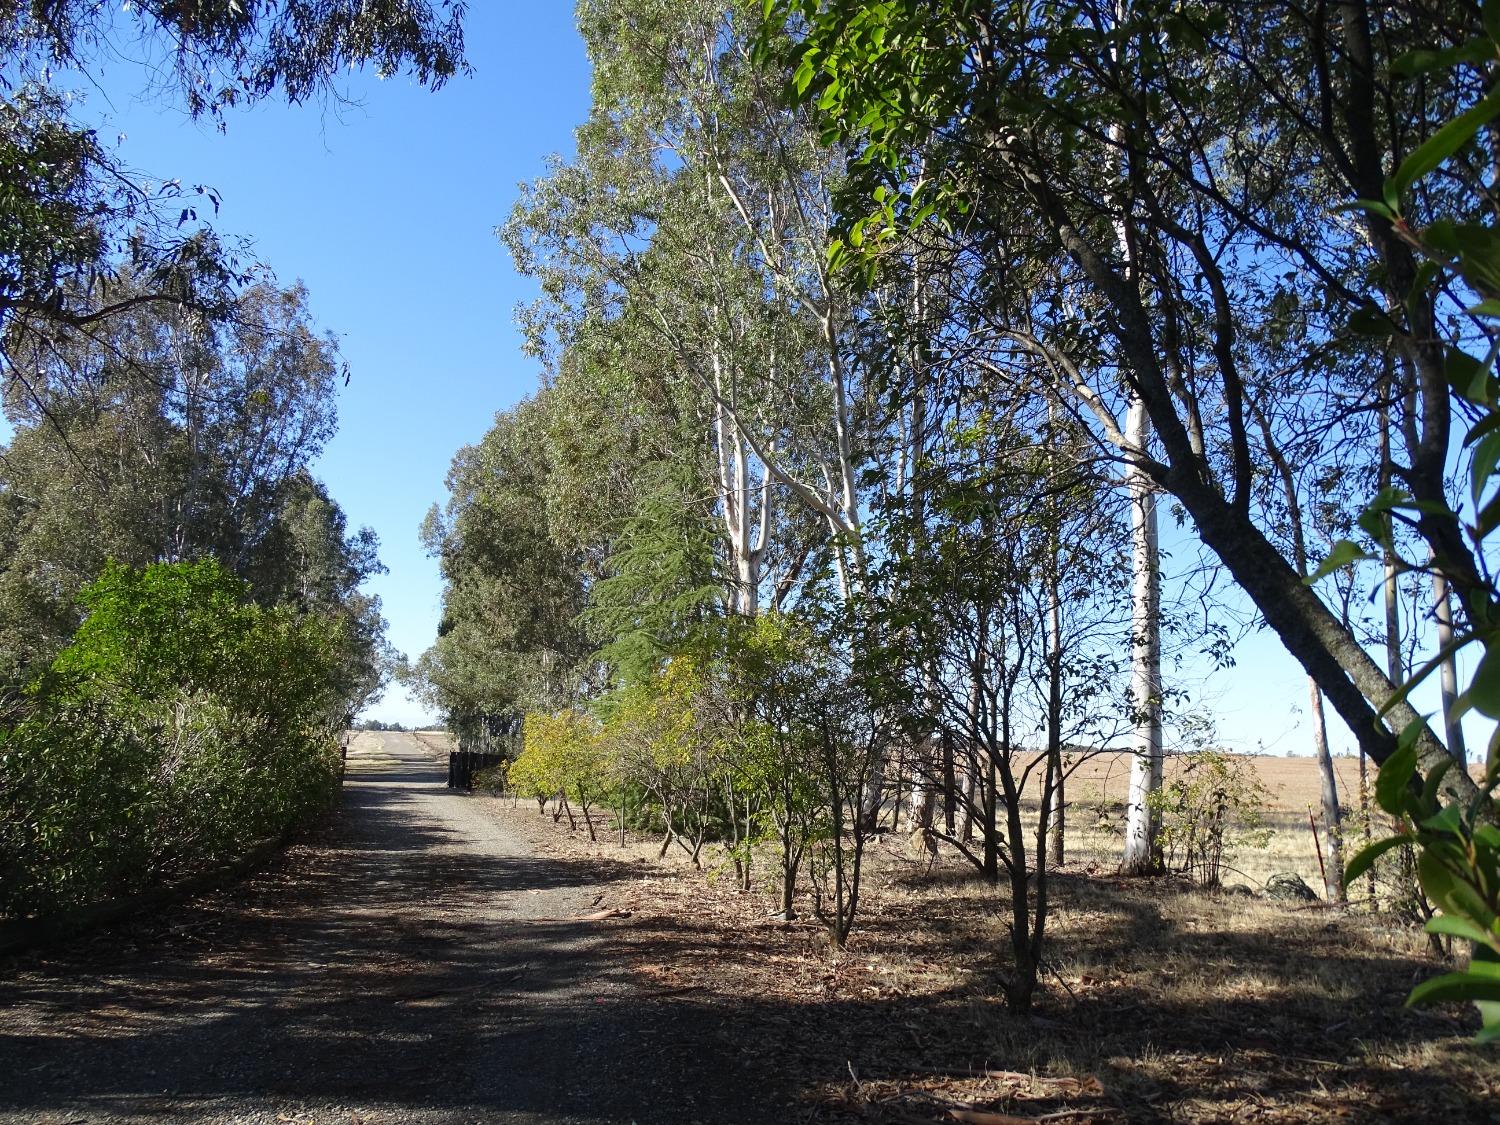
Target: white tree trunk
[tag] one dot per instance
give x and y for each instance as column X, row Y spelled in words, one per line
column 746, row 536
column 1333, row 839
column 923, row 802
column 1141, row 821
column 1443, row 613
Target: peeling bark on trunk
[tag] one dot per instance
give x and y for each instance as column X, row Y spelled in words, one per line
column 747, row 532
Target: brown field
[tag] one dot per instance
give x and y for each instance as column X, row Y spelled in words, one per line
column 438, row 741
column 1293, row 782
column 1096, row 791
column 1096, row 795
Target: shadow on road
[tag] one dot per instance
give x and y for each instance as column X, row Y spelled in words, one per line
column 411, row 963
column 393, row 963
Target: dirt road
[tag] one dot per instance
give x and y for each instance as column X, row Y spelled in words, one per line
column 408, row 965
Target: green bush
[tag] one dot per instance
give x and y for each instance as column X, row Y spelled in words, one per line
column 491, row 780
column 182, row 725
column 1214, row 806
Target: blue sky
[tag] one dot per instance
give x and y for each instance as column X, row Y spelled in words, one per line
column 386, row 210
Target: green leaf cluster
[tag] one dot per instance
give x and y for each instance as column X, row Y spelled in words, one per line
column 183, row 724
column 1458, row 866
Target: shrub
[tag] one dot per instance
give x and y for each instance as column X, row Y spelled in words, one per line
column 561, row 756
column 180, row 726
column 1212, row 807
column 490, row 780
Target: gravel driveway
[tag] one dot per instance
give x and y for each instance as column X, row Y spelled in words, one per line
column 411, row 964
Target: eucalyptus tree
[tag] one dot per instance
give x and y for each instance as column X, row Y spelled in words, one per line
column 701, row 203
column 647, row 325
column 160, row 436
column 1212, row 138
column 311, row 561
column 248, row 398
column 510, row 639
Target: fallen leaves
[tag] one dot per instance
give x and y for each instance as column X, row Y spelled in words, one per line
column 1176, row 1007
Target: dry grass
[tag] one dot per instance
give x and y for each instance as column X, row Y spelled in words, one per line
column 440, row 742
column 1096, row 797
column 1096, row 791
column 1160, row 1001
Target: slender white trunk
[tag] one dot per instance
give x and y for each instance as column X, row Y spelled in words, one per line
column 1142, row 825
column 1333, row 816
column 746, row 535
column 1448, row 673
column 924, row 784
column 1141, row 821
column 1333, row 833
column 926, row 768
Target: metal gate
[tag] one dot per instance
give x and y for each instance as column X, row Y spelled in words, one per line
column 464, row 764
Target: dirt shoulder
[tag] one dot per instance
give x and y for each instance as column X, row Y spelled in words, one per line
column 1160, row 1002
column 415, row 961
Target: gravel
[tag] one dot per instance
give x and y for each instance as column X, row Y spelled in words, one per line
column 413, row 962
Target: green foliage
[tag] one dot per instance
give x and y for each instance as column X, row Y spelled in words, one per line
column 661, row 725
column 1458, row 867
column 183, row 724
column 670, row 734
column 560, row 755
column 659, row 586
column 1454, row 833
column 1214, row 806
column 166, row 401
column 510, row 640
column 227, row 52
column 493, row 780
column 769, row 661
column 159, row 436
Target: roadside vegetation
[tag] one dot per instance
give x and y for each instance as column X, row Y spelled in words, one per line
column 927, row 387
column 1163, row 1001
column 880, row 338
column 182, row 629
column 180, row 726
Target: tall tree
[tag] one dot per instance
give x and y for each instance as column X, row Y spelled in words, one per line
column 1235, row 125
column 510, row 638
column 159, row 436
